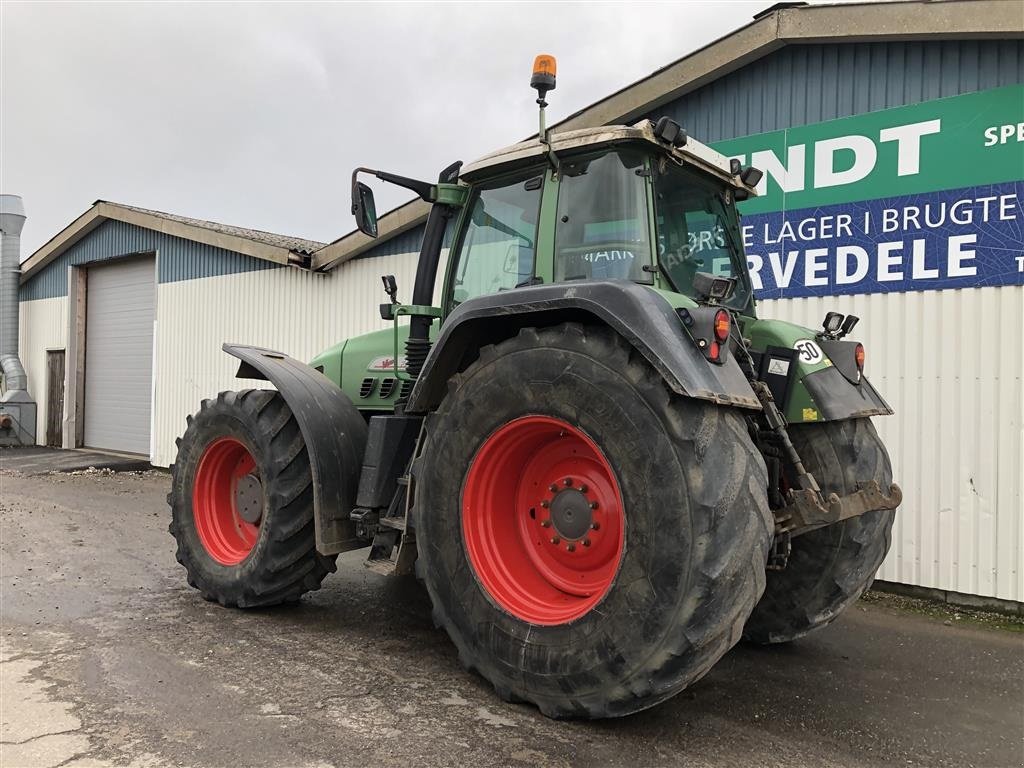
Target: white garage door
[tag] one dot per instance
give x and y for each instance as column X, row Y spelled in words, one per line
column 119, row 305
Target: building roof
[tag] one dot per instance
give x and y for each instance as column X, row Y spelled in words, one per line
column 268, row 246
column 781, row 25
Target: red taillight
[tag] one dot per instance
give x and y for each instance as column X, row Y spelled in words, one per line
column 722, row 325
column 714, row 350
column 858, row 355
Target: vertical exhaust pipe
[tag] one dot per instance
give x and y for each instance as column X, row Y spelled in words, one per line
column 17, row 411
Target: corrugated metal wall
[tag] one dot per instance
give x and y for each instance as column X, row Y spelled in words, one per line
column 297, row 312
column 43, row 326
column 803, row 84
column 180, row 259
column 951, row 363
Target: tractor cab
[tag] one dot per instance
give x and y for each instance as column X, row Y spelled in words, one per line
column 610, row 203
column 643, row 203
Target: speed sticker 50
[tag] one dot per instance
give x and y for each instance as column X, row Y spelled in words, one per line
column 809, row 351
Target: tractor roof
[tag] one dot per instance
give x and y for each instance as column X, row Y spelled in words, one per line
column 526, row 153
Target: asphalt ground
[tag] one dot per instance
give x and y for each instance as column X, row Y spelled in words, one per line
column 109, row 658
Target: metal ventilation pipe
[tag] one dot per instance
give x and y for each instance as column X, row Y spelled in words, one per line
column 12, row 219
column 18, row 413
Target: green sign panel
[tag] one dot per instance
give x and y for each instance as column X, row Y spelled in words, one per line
column 922, row 197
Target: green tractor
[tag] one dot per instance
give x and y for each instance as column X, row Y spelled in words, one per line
column 604, row 467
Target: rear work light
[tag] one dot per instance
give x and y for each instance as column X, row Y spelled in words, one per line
column 858, row 355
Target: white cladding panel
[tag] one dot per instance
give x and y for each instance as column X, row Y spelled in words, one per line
column 951, row 364
column 119, row 307
column 43, row 325
column 291, row 310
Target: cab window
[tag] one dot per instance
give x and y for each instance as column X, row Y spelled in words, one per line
column 601, row 230
column 499, row 246
column 698, row 231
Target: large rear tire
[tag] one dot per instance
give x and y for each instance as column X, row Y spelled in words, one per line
column 591, row 542
column 831, row 567
column 242, row 503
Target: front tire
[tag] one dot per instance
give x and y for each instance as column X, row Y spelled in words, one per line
column 570, row 426
column 242, row 503
column 829, row 568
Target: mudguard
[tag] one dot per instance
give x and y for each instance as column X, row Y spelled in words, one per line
column 639, row 314
column 838, row 398
column 334, row 433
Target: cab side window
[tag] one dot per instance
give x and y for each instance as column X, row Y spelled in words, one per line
column 601, row 229
column 499, row 246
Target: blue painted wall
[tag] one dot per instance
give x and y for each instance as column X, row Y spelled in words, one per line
column 179, row 258
column 804, row 84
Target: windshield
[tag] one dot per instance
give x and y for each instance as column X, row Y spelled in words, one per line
column 698, row 231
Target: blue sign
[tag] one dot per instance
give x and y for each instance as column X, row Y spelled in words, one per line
column 959, row 238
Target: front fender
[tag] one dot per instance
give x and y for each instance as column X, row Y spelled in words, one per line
column 637, row 313
column 334, row 433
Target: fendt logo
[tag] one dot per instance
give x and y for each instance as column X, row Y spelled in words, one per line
column 914, row 198
column 859, row 155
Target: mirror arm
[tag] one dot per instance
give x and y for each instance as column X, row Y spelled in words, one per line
column 423, row 189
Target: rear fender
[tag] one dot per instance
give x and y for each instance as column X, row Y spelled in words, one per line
column 637, row 313
column 334, row 433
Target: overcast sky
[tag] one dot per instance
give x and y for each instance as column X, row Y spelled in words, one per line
column 255, row 114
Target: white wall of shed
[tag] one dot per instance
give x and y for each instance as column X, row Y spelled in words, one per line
column 951, row 364
column 290, row 310
column 43, row 326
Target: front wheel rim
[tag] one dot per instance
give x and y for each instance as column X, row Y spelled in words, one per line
column 542, row 520
column 227, row 501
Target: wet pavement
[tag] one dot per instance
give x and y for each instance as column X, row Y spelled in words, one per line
column 109, row 658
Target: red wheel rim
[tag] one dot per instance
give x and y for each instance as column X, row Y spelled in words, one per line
column 226, row 470
column 542, row 520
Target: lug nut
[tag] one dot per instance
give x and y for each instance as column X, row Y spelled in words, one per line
column 570, row 547
column 595, row 526
column 586, row 542
column 545, row 523
column 582, row 488
column 593, row 505
column 545, row 503
column 553, row 488
column 555, row 539
column 568, row 482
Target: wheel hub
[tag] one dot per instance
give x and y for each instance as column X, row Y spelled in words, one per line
column 571, row 515
column 249, row 499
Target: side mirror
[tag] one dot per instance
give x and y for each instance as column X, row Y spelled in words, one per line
column 364, row 209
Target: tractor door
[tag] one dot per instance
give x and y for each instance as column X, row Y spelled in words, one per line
column 498, row 244
column 602, row 228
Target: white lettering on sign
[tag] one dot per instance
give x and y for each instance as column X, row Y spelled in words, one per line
column 809, row 351
column 1000, row 134
column 791, row 175
column 844, row 276
column 908, row 144
column 864, row 156
column 893, row 261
